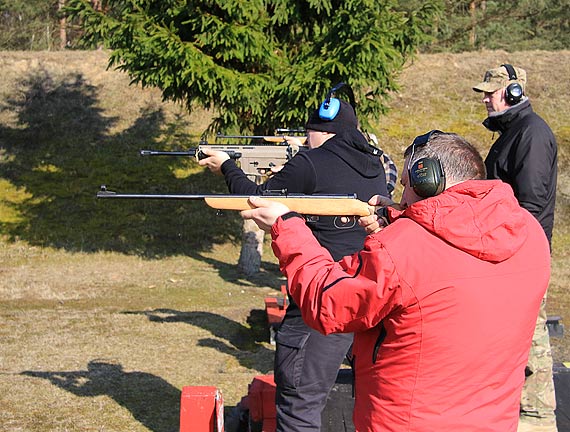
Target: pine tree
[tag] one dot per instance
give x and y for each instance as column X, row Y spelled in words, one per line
column 258, row 64
column 261, row 64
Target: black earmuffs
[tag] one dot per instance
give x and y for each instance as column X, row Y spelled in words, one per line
column 514, row 91
column 426, row 175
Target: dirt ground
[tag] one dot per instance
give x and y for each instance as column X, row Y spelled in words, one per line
column 97, row 339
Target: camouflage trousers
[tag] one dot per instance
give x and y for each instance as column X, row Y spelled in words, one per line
column 538, row 400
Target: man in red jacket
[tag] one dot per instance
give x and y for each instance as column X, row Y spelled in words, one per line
column 418, row 297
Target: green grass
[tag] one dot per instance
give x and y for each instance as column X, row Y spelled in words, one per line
column 109, row 308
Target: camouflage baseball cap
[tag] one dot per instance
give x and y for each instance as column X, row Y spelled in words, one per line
column 498, row 78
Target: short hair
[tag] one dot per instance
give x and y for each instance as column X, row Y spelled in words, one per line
column 459, row 159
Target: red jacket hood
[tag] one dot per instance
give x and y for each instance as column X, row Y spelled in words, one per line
column 480, row 217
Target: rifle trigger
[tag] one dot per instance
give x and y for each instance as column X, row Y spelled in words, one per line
column 275, row 192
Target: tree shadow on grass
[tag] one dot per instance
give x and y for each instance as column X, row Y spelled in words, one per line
column 244, row 343
column 62, row 148
column 268, row 275
column 151, row 400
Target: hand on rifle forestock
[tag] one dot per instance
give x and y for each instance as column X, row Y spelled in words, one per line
column 379, row 220
column 214, row 160
column 265, row 213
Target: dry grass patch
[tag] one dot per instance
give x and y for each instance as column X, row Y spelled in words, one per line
column 109, row 310
column 111, row 341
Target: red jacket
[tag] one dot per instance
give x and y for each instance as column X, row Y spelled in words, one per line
column 455, row 282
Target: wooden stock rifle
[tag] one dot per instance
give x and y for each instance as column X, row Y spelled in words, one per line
column 318, row 205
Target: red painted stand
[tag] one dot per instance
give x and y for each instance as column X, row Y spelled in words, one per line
column 260, row 401
column 275, row 308
column 201, row 409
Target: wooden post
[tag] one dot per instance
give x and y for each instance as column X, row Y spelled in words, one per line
column 473, row 13
column 62, row 26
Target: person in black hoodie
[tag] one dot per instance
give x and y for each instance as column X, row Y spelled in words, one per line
column 525, row 156
column 340, row 161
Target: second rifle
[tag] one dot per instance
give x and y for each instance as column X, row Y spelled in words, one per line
column 257, row 157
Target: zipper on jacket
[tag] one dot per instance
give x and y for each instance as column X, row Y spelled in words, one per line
column 379, row 341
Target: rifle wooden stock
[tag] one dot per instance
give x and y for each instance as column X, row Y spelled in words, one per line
column 283, row 139
column 318, row 205
column 269, row 138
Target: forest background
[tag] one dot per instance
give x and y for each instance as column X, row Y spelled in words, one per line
column 109, row 309
column 466, row 25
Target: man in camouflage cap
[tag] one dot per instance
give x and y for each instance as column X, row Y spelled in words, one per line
column 525, row 156
column 499, row 78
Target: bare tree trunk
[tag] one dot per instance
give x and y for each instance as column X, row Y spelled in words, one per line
column 62, row 26
column 97, row 6
column 249, row 261
column 473, row 12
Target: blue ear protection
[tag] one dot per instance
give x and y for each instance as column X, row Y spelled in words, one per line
column 331, row 105
column 329, row 109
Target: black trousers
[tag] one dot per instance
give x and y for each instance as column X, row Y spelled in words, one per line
column 306, row 367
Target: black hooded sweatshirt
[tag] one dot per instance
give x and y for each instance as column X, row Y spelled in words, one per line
column 342, row 165
column 525, row 156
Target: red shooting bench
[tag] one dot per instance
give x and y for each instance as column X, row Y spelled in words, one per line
column 275, row 308
column 260, row 402
column 201, row 409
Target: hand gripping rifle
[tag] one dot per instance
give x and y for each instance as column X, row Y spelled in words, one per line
column 257, row 154
column 318, row 205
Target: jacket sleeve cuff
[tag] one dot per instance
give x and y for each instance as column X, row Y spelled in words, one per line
column 283, row 221
column 290, row 215
column 228, row 166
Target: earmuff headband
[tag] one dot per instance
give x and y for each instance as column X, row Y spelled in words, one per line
column 511, row 71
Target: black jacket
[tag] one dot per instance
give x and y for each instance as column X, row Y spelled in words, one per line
column 525, row 156
column 342, row 165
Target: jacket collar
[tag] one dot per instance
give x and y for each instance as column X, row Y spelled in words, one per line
column 501, row 121
column 480, row 217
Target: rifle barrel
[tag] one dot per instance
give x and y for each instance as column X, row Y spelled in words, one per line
column 233, row 154
column 322, row 205
column 190, row 153
column 249, row 136
column 110, row 194
column 103, row 193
